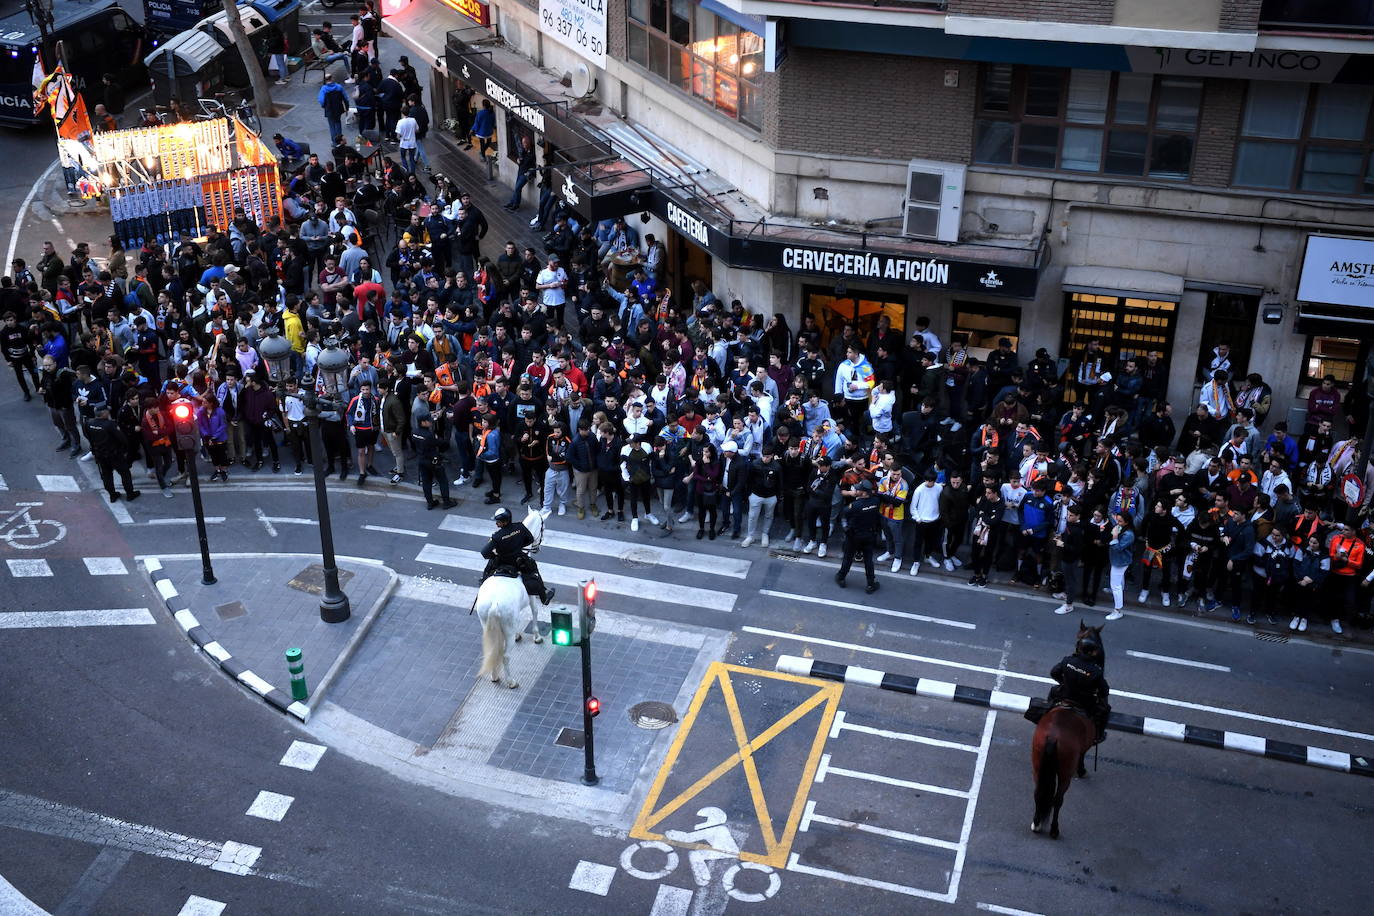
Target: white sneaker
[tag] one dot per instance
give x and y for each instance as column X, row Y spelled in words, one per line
column 653, row 519
column 796, row 544
column 1302, row 625
column 791, row 533
column 949, row 565
column 1116, row 615
column 1336, row 627
column 461, row 481
column 933, row 562
column 88, row 456
column 534, row 222
column 634, row 523
column 545, row 513
column 746, row 542
column 810, row 546
column 684, row 517
column 915, row 567
column 763, row 542
column 1143, row 596
column 1164, row 596
column 820, row 552
column 1063, row 609
column 1293, row 624
column 562, row 510
column 956, row 561
column 956, row 427
column 882, row 557
column 897, row 565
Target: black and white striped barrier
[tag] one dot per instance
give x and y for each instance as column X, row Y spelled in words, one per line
column 1136, row 725
column 207, row 644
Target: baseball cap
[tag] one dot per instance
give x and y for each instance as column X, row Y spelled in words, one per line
column 729, row 446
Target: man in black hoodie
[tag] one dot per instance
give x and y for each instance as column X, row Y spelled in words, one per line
column 111, row 450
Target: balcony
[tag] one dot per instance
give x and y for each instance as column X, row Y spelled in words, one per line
column 1343, row 16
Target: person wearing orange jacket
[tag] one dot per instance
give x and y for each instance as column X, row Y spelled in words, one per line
column 1347, row 557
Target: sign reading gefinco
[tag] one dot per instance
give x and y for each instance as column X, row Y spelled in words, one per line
column 577, row 24
column 1338, row 271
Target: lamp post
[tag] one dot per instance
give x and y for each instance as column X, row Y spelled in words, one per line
column 331, row 370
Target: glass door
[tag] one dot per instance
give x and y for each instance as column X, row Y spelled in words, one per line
column 1125, row 327
column 834, row 308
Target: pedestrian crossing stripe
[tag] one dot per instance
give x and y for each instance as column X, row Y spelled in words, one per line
column 58, row 483
column 777, row 843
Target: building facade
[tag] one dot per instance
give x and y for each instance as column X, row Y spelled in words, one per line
column 1163, row 177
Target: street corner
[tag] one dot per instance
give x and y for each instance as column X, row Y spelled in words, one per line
column 59, row 519
column 736, row 777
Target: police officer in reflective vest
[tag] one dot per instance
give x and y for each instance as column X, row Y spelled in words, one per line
column 506, row 551
column 863, row 527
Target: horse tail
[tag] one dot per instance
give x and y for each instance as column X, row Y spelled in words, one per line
column 493, row 644
column 1047, row 779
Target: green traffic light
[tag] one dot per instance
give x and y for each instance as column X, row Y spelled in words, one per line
column 562, row 638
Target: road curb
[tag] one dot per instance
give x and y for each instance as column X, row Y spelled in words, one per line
column 1320, row 757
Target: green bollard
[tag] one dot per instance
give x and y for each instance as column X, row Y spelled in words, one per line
column 297, row 669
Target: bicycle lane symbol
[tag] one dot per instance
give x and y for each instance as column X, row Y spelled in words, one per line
column 20, row 530
column 713, row 857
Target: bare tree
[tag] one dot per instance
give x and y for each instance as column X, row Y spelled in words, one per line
column 262, row 92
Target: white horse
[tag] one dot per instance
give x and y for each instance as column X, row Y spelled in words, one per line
column 501, row 603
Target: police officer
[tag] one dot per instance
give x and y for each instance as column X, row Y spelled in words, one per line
column 863, row 526
column 110, row 447
column 1080, row 681
column 507, row 549
column 429, row 457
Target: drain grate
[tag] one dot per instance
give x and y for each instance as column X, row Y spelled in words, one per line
column 652, row 714
column 1271, row 637
column 231, row 610
column 311, row 579
column 570, row 737
column 639, row 558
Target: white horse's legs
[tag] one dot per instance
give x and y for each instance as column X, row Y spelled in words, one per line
column 534, row 621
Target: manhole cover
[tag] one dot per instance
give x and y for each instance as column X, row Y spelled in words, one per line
column 652, row 714
column 311, row 579
column 231, row 610
column 639, row 558
column 570, row 737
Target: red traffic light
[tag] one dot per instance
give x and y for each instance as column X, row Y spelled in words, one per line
column 593, row 706
column 589, row 591
column 181, row 411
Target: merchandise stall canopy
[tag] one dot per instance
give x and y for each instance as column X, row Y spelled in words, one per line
column 1120, row 281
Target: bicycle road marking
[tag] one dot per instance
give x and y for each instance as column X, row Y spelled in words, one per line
column 777, row 843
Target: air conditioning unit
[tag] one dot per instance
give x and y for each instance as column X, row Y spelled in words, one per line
column 934, row 200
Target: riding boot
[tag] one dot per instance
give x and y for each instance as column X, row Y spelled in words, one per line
column 534, row 584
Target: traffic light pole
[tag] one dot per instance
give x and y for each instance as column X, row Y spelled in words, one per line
column 207, row 572
column 589, row 776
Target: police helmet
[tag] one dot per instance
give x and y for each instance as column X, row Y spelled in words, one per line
column 501, row 515
column 864, row 486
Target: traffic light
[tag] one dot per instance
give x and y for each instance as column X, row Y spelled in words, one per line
column 561, row 627
column 184, row 423
column 586, row 606
column 593, row 707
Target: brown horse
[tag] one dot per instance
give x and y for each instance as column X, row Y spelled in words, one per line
column 1062, row 739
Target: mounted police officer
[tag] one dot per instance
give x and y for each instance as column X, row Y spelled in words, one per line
column 1080, row 682
column 863, row 527
column 506, row 555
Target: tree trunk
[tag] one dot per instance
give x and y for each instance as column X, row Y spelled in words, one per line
column 262, row 91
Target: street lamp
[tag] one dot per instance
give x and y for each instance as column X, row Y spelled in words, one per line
column 331, row 369
column 276, row 353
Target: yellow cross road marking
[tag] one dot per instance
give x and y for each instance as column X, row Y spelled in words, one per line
column 776, row 846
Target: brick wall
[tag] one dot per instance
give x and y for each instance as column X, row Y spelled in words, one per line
column 1098, row 12
column 1219, row 126
column 1240, row 15
column 879, row 105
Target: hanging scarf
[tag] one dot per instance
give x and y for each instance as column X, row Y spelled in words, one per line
column 1340, row 456
column 1217, row 398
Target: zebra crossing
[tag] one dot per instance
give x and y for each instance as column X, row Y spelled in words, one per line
column 65, row 567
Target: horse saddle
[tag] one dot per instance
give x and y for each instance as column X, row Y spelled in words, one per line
column 507, row 570
column 1039, row 706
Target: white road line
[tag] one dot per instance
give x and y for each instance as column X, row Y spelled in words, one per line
column 831, row 602
column 611, row 583
column 3, row 485
column 237, row 858
column 117, row 510
column 270, row 806
column 24, row 208
column 201, row 906
column 1005, row 910
column 406, row 531
column 209, row 520
column 794, row 864
column 107, row 617
column 671, row 901
column 58, row 483
column 825, row 769
column 1169, row 659
column 303, row 756
column 880, row 831
column 974, row 789
column 1034, row 678
column 592, row 878
column 289, row 520
column 106, row 566
column 29, row 569
column 840, row 725
column 646, row 553
column 262, row 517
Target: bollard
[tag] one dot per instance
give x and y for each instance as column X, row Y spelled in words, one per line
column 296, row 666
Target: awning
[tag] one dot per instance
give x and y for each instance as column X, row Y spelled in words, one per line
column 424, row 29
column 1120, row 281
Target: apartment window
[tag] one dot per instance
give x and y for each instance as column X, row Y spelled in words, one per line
column 1338, row 356
column 700, row 53
column 1129, row 124
column 1303, row 137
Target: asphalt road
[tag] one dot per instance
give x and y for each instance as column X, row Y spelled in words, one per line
column 130, row 762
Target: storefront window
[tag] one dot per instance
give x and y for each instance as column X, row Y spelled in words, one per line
column 1126, row 327
column 1087, row 121
column 833, row 310
column 701, row 54
column 1336, row 356
column 1296, row 136
column 982, row 324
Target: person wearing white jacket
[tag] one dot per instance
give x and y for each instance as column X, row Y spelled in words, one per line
column 925, row 511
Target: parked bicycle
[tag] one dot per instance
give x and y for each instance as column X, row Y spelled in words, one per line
column 230, row 105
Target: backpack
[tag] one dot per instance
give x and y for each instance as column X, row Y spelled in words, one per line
column 370, row 28
column 131, row 299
